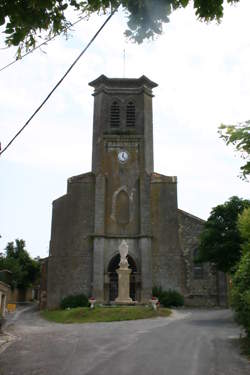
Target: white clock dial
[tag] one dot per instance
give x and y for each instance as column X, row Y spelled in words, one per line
column 123, row 156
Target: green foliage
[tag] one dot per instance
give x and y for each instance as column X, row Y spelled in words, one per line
column 171, row 298
column 220, row 241
column 79, row 300
column 245, row 346
column 244, row 229
column 168, row 298
column 240, row 293
column 157, row 291
column 26, row 21
column 238, row 136
column 25, row 270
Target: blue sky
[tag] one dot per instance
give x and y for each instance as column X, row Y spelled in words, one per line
column 203, row 72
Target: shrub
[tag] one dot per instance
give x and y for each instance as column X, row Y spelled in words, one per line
column 79, row 300
column 157, row 291
column 240, row 293
column 169, row 297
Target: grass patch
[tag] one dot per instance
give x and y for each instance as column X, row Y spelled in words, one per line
column 103, row 314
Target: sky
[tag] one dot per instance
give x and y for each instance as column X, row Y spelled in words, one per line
column 203, row 73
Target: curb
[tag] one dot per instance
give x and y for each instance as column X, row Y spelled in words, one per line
column 5, row 340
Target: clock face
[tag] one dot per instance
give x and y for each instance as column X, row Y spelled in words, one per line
column 123, row 156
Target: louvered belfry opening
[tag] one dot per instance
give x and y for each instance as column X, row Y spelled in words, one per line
column 115, row 114
column 130, row 114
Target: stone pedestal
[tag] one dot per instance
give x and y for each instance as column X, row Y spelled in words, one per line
column 123, row 285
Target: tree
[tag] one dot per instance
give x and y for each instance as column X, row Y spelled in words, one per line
column 26, row 21
column 220, row 241
column 240, row 292
column 239, row 136
column 244, row 229
column 16, row 259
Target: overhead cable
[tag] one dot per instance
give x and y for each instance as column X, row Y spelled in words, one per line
column 59, row 82
column 40, row 45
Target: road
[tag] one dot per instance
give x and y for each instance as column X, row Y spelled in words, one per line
column 191, row 342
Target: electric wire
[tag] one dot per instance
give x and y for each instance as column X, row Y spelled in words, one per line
column 40, row 45
column 59, row 82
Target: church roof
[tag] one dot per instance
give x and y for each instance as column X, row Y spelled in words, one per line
column 185, row 213
column 123, row 82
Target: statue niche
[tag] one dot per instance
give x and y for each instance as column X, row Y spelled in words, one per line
column 122, row 208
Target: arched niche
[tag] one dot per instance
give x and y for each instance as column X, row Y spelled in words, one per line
column 113, row 277
column 122, row 207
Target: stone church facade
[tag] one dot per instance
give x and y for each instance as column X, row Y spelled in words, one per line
column 123, row 198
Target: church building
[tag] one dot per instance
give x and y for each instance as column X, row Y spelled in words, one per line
column 123, row 198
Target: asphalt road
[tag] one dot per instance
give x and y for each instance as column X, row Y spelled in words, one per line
column 197, row 342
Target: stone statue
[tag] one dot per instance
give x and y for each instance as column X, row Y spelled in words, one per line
column 123, row 250
column 123, row 276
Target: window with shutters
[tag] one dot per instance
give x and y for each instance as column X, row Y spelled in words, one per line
column 198, row 269
column 115, row 114
column 130, row 114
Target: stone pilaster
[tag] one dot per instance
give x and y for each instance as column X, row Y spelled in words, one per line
column 146, row 268
column 100, row 192
column 98, row 269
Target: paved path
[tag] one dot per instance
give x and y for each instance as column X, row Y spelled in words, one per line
column 198, row 342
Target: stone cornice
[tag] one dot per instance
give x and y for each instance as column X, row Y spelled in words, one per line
column 122, row 236
column 157, row 178
column 126, row 86
column 123, row 82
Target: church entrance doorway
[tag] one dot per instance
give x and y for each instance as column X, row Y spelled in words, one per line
column 113, row 278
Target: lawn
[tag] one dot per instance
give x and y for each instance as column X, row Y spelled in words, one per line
column 103, row 314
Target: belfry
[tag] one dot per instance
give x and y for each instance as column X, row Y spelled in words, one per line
column 123, row 199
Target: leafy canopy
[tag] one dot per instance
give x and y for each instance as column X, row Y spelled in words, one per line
column 25, row 271
column 220, row 241
column 240, row 293
column 244, row 229
column 238, row 136
column 25, row 21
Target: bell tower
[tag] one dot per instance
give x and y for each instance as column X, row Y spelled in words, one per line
column 122, row 109
column 122, row 161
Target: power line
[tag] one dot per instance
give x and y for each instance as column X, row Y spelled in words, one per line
column 40, row 45
column 59, row 82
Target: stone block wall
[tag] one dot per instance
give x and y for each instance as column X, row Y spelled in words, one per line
column 4, row 295
column 166, row 251
column 201, row 281
column 71, row 249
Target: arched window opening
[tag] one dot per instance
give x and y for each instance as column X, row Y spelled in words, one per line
column 115, row 115
column 198, row 268
column 130, row 114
